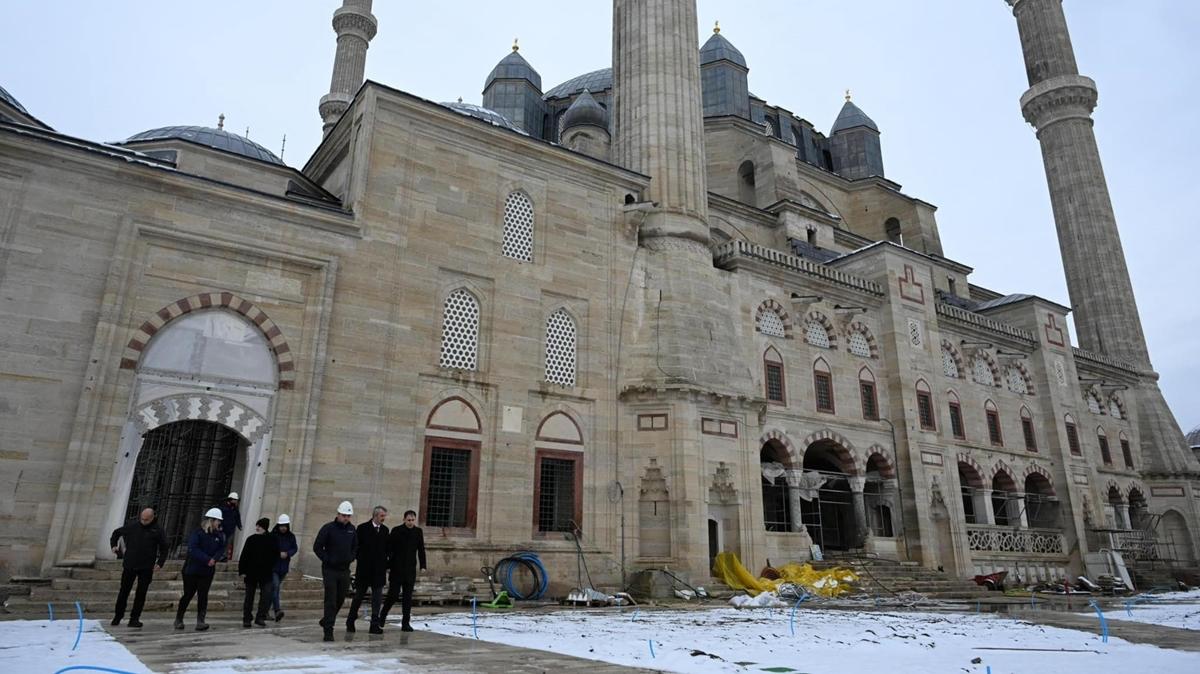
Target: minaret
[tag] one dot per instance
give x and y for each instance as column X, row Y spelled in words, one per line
column 355, row 26
column 659, row 128
column 1059, row 106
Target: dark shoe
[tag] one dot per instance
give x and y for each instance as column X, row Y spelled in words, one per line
column 260, row 622
column 350, row 626
column 328, row 634
column 178, row 624
column 278, row 616
column 406, row 628
column 321, row 622
column 135, row 623
column 376, row 629
column 115, row 621
column 245, row 623
column 200, row 627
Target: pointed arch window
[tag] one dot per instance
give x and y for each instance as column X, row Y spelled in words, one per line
column 1027, row 430
column 776, row 387
column 995, row 434
column 1126, row 451
column 518, row 227
column 1072, row 436
column 816, row 334
column 560, row 348
column 823, row 386
column 949, row 363
column 925, row 406
column 1105, row 452
column 868, row 395
column 956, row 420
column 460, row 331
column 1016, row 381
column 981, row 371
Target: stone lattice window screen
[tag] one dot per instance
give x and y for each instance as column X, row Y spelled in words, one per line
column 771, row 325
column 858, row 344
column 460, row 331
column 949, row 365
column 816, row 334
column 981, row 372
column 1114, row 409
column 1093, row 403
column 560, row 348
column 916, row 335
column 1016, row 382
column 518, row 227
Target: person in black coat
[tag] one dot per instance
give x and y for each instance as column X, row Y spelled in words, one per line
column 406, row 546
column 231, row 521
column 372, row 568
column 145, row 552
column 257, row 568
column 336, row 545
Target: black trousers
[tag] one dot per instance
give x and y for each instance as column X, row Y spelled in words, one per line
column 337, row 586
column 265, row 588
column 143, row 578
column 360, row 590
column 400, row 587
column 194, row 586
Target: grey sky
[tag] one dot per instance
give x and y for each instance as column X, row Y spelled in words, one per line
column 940, row 77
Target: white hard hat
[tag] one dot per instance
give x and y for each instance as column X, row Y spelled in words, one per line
column 233, row 495
column 284, row 519
column 345, row 508
column 214, row 513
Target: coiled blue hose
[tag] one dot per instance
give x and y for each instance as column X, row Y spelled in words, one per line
column 531, row 562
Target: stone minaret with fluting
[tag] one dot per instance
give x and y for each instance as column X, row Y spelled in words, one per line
column 355, row 26
column 658, row 122
column 1059, row 106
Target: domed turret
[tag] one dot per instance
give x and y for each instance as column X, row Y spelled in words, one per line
column 585, row 127
column 514, row 89
column 585, row 111
column 852, row 116
column 723, row 72
column 854, row 144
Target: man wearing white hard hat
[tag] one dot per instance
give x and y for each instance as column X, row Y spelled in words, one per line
column 288, row 548
column 206, row 547
column 231, row 521
column 336, row 546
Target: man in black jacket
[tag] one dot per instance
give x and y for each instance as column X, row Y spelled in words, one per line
column 336, row 546
column 257, row 567
column 145, row 552
column 406, row 546
column 372, row 568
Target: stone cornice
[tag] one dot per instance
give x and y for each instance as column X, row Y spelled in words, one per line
column 733, row 254
column 1093, row 358
column 1059, row 98
column 974, row 319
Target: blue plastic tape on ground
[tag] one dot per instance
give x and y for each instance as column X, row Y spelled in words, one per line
column 651, row 642
column 474, row 621
column 1103, row 622
column 80, row 632
column 91, row 668
column 51, row 607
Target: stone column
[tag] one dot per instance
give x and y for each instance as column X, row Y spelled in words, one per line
column 355, row 27
column 1123, row 516
column 989, row 515
column 862, row 531
column 1019, row 503
column 793, row 485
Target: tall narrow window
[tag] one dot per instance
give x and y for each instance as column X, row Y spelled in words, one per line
column 956, row 420
column 1073, row 437
column 1126, row 451
column 448, row 499
column 823, row 386
column 1027, row 430
column 460, row 331
column 776, row 389
column 518, row 227
column 993, row 423
column 558, row 502
column 1105, row 453
column 866, row 391
column 925, row 406
column 560, row 348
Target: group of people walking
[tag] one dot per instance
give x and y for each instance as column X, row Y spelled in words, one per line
column 266, row 559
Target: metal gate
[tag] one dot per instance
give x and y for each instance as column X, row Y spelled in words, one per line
column 183, row 469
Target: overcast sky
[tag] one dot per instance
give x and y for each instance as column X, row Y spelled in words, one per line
column 941, row 78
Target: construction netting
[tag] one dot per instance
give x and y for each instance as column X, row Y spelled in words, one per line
column 824, row 582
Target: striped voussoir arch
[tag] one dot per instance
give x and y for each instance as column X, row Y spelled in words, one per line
column 215, row 300
column 1035, row 468
column 843, row 449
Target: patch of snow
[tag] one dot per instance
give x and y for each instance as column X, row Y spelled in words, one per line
column 44, row 646
column 732, row 640
column 310, row 664
column 1180, row 610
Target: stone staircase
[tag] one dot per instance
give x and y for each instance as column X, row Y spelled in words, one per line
column 879, row 577
column 95, row 588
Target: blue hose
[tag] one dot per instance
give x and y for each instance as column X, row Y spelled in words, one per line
column 530, row 561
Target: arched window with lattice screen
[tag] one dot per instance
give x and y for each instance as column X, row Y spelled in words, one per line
column 560, row 348
column 518, row 227
column 460, row 331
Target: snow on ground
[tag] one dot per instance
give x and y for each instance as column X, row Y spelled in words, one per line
column 34, row 646
column 312, row 664
column 729, row 640
column 1174, row 609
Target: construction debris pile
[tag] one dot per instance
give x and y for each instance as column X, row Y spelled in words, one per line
column 790, row 581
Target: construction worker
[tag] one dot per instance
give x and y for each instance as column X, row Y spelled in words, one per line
column 206, row 547
column 336, row 546
column 145, row 552
column 231, row 522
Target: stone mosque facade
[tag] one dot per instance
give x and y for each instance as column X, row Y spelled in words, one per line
column 644, row 311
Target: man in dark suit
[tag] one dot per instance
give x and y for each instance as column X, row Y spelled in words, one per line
column 372, row 568
column 406, row 546
column 145, row 552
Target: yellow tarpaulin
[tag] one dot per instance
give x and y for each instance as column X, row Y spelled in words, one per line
column 825, row 583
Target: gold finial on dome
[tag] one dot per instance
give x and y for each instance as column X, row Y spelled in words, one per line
column 847, row 95
column 516, row 47
column 717, row 28
column 221, row 121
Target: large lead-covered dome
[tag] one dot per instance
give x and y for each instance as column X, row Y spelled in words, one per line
column 480, row 112
column 12, row 102
column 219, row 139
column 595, row 82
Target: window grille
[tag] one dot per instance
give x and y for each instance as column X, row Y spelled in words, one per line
column 915, row 334
column 949, row 365
column 1060, row 372
column 1114, row 408
column 1127, row 453
column 1016, row 382
column 1093, row 404
column 823, row 389
column 774, row 382
column 1105, row 454
column 448, row 490
column 981, row 372
column 556, row 496
column 956, row 421
column 993, row 424
column 815, row 334
column 770, row 324
column 518, row 227
column 1073, row 440
column 925, row 411
column 870, row 405
column 560, row 349
column 859, row 345
column 777, row 513
column 1030, row 437
column 460, row 331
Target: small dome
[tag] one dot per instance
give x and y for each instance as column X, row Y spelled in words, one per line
column 597, row 81
column 12, row 102
column 718, row 48
column 850, row 117
column 1193, row 438
column 585, row 110
column 479, row 112
column 218, row 139
column 514, row 67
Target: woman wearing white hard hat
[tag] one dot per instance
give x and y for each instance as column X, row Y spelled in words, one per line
column 287, row 550
column 336, row 546
column 206, row 547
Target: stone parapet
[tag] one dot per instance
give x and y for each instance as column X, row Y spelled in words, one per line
column 1059, row 98
column 972, row 318
column 727, row 255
